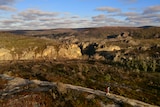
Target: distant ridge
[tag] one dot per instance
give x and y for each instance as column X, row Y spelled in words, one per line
column 147, row 26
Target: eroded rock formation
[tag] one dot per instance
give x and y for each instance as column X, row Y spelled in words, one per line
column 68, row 51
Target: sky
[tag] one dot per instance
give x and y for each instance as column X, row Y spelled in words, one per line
column 52, row 14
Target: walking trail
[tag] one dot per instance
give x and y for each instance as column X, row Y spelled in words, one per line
column 15, row 83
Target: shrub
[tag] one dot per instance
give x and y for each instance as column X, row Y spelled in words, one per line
column 107, row 77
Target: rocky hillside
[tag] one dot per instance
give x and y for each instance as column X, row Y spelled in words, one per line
column 126, row 59
column 71, row 51
column 29, row 48
column 140, row 54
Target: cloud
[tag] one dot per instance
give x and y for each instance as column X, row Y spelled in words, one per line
column 7, row 2
column 75, row 17
column 146, row 19
column 7, row 8
column 128, row 1
column 108, row 9
column 99, row 18
column 33, row 14
column 127, row 14
column 149, row 16
column 152, row 9
column 9, row 22
column 6, row 5
column 104, row 20
column 138, row 21
column 38, row 19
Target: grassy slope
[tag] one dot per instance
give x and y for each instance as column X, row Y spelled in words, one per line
column 20, row 43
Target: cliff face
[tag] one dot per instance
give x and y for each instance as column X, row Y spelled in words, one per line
column 69, row 51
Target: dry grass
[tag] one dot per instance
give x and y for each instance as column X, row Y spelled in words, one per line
column 97, row 76
column 149, row 41
column 2, row 83
column 20, row 43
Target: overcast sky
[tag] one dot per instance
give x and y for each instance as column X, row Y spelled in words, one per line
column 50, row 14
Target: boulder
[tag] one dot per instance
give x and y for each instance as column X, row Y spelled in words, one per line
column 61, row 88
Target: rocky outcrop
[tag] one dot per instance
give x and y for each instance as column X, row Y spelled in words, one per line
column 124, row 35
column 109, row 48
column 84, row 45
column 50, row 52
column 70, row 51
column 28, row 55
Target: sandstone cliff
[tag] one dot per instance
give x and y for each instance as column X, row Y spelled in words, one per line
column 69, row 51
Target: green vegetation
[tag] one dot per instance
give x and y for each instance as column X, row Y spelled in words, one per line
column 150, row 65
